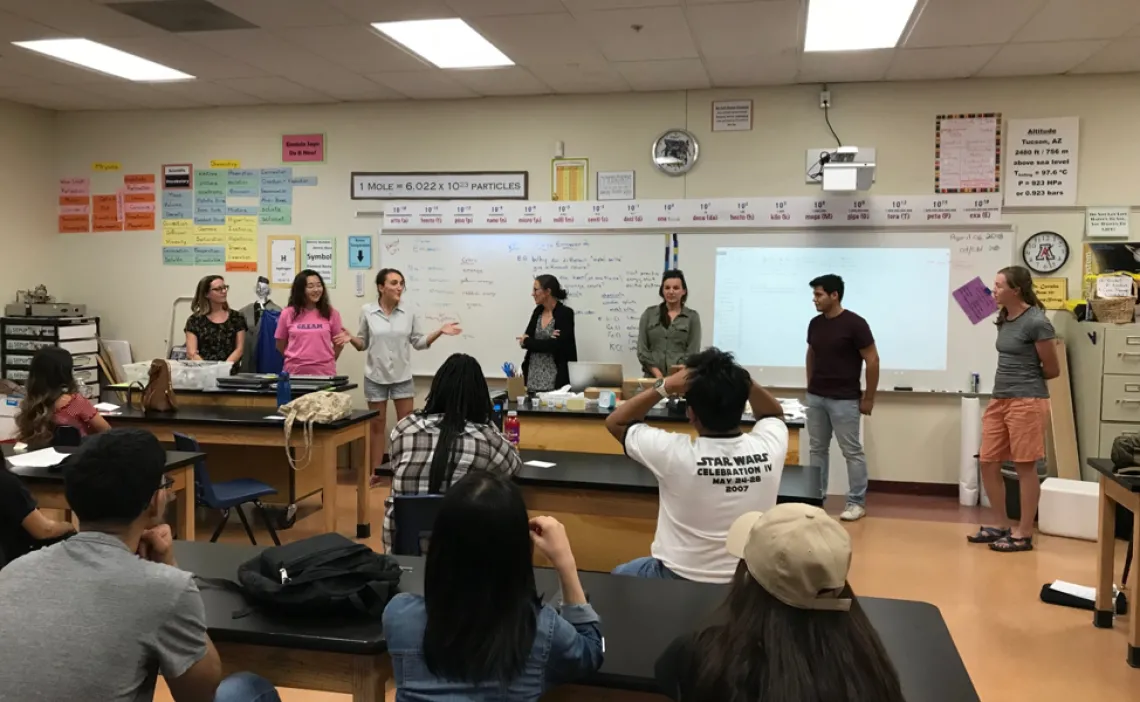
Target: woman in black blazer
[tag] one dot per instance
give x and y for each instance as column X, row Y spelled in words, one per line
column 549, row 338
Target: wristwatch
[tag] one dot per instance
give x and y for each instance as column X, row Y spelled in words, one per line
column 659, row 386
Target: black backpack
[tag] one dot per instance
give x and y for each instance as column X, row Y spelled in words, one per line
column 325, row 575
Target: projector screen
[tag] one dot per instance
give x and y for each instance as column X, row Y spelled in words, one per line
column 763, row 303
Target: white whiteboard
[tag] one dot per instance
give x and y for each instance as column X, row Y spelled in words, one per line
column 969, row 348
column 484, row 281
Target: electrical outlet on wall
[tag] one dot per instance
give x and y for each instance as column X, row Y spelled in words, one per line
column 811, row 163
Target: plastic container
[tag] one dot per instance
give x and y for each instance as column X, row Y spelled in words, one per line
column 284, row 389
column 511, row 428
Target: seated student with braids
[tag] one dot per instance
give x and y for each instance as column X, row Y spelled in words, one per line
column 452, row 435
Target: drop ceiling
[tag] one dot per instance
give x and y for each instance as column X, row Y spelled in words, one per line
column 324, row 51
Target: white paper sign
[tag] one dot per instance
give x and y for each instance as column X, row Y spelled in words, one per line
column 965, row 152
column 615, row 185
column 1107, row 222
column 320, row 255
column 732, row 116
column 1041, row 169
column 1114, row 286
column 283, row 261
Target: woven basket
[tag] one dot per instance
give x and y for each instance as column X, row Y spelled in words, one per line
column 1115, row 310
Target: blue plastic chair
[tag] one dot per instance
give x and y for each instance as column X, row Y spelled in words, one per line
column 413, row 517
column 231, row 494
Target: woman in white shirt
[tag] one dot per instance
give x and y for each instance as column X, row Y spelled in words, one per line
column 388, row 333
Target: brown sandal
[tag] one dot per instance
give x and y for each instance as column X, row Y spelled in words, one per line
column 1011, row 544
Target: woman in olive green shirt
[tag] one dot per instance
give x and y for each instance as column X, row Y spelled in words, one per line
column 669, row 332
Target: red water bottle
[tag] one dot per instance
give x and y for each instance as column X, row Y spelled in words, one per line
column 511, row 428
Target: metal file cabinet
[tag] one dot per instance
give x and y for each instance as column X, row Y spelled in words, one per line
column 21, row 337
column 1104, row 368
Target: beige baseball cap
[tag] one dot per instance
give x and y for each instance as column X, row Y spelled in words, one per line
column 797, row 553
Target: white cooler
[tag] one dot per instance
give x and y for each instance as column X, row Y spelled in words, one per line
column 1068, row 508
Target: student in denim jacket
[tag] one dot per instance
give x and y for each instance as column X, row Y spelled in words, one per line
column 480, row 632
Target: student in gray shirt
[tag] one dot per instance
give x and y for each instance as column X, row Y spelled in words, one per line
column 1013, row 426
column 99, row 616
column 388, row 333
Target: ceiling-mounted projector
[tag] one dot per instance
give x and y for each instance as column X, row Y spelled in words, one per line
column 844, row 172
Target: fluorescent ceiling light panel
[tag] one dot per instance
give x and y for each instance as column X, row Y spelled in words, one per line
column 447, row 43
column 856, row 25
column 102, row 58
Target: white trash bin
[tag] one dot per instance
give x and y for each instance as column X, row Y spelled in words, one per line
column 1068, row 508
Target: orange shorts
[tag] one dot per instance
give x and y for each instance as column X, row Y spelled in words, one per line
column 1013, row 429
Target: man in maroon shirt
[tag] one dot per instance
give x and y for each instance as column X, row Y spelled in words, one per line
column 839, row 341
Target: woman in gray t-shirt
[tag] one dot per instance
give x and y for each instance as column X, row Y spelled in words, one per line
column 1013, row 426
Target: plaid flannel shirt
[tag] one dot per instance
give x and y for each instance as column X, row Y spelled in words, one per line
column 414, row 440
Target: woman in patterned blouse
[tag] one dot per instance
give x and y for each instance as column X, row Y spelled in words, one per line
column 52, row 400
column 214, row 332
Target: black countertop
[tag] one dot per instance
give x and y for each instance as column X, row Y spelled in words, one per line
column 657, row 414
column 266, row 392
column 1104, row 467
column 640, row 618
column 54, row 474
column 226, row 416
column 590, row 471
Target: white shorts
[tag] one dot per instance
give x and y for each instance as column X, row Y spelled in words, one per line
column 380, row 392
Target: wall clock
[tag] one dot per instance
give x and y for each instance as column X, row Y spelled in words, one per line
column 675, row 152
column 1045, row 252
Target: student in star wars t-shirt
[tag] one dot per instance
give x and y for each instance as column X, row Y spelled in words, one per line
column 707, row 482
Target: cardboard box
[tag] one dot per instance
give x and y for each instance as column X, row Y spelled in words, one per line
column 516, row 388
column 9, row 406
column 632, row 386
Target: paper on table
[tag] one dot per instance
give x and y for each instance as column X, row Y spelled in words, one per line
column 106, row 407
column 274, row 416
column 975, row 300
column 43, row 458
column 540, row 464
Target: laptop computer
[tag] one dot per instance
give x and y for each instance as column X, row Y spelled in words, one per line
column 595, row 375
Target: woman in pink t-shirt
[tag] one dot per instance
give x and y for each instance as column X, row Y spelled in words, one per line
column 309, row 333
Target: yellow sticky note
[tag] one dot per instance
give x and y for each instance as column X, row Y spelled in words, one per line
column 210, row 235
column 106, row 166
column 1052, row 292
column 242, row 225
column 217, row 163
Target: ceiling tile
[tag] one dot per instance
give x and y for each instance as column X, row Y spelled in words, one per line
column 274, row 89
column 179, row 53
column 1040, row 59
column 664, row 34
column 757, row 69
column 529, row 39
column 512, row 80
column 359, row 48
column 271, row 53
column 61, row 97
column 844, row 66
column 131, row 94
column 423, row 85
column 712, row 2
column 577, row 6
column 1065, row 20
column 589, row 77
column 82, row 18
column 12, row 78
column 393, row 10
column 285, row 13
column 1121, row 56
column 970, row 22
column 940, row 63
column 491, row 8
column 739, row 29
column 339, row 83
column 670, row 74
column 209, row 93
column 13, row 28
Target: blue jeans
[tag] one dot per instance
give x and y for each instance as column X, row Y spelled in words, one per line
column 826, row 416
column 246, row 687
column 647, row 567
